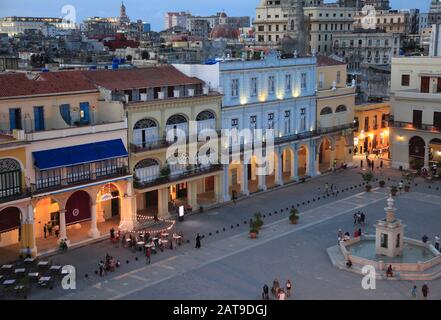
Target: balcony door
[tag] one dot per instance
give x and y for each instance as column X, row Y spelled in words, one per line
column 10, row 177
column 417, row 118
column 425, row 84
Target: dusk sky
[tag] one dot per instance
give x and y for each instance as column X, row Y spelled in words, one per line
column 149, row 10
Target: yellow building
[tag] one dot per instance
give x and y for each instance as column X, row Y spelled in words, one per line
column 161, row 100
column 70, row 154
column 335, row 114
column 372, row 135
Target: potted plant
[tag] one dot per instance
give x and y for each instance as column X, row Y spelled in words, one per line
column 367, row 177
column 382, row 183
column 258, row 220
column 294, row 216
column 393, row 190
column 165, row 171
column 254, row 230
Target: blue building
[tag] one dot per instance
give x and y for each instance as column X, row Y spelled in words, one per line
column 268, row 93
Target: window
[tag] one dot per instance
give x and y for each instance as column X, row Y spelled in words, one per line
column 366, row 124
column 234, row 123
column 15, row 119
column 288, row 82
column 84, row 112
column 437, row 120
column 425, row 84
column 39, row 118
column 405, row 80
column 261, row 28
column 253, row 87
column 235, row 88
column 77, row 173
column 341, row 108
column 417, row 118
column 271, row 84
column 287, row 122
column 321, row 80
column 303, row 80
column 270, row 121
column 303, row 119
column 253, row 122
column 338, row 77
column 325, row 111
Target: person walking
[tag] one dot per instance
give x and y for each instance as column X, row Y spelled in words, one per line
column 198, row 241
column 101, row 268
column 45, row 230
column 362, row 218
column 373, row 164
column 361, row 163
column 381, row 164
column 288, row 286
column 281, row 294
column 49, row 228
column 425, row 290
column 400, row 186
column 148, row 255
column 414, row 292
column 437, row 242
column 326, row 189
column 265, row 292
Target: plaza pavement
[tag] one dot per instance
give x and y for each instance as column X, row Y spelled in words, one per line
column 223, row 268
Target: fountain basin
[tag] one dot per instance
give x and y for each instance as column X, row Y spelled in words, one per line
column 416, row 255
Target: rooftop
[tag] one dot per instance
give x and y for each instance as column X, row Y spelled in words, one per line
column 160, row 76
column 22, row 85
column 324, row 61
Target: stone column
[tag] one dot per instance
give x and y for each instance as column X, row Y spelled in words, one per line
column 129, row 220
column 426, row 156
column 27, row 232
column 226, row 184
column 63, row 232
column 218, row 190
column 244, row 183
column 261, row 179
column 192, row 195
column 163, row 197
column 279, row 169
column 94, row 232
column 312, row 163
column 295, row 164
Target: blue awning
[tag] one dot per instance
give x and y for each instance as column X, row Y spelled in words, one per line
column 84, row 153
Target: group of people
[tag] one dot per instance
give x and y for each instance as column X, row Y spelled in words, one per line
column 49, row 229
column 424, row 291
column 329, row 189
column 109, row 265
column 359, row 218
column 278, row 292
column 370, row 164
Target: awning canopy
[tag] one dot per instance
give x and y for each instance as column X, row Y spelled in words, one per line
column 84, row 153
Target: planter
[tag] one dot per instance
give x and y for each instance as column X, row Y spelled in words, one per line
column 393, row 193
column 253, row 235
column 406, row 188
column 368, row 188
column 382, row 184
column 294, row 221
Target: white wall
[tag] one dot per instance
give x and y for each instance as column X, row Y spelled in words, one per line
column 208, row 73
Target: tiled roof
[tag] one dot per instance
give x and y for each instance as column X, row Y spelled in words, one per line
column 125, row 79
column 323, row 61
column 20, row 84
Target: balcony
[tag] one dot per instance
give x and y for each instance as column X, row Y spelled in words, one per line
column 63, row 182
column 416, row 94
column 5, row 197
column 411, row 126
column 197, row 171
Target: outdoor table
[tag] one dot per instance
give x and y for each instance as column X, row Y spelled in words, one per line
column 9, row 282
column 43, row 281
column 20, row 270
column 43, row 263
column 7, row 267
column 33, row 275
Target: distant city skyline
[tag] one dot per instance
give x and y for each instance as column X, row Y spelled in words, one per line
column 151, row 11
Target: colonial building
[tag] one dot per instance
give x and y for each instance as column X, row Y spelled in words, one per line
column 416, row 123
column 325, row 23
column 73, row 161
column 372, row 135
column 335, row 112
column 160, row 101
column 389, row 21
